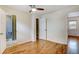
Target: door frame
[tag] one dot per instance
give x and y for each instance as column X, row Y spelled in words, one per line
column 39, row 30
column 13, row 18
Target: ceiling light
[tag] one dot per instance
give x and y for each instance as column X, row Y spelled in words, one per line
column 33, row 9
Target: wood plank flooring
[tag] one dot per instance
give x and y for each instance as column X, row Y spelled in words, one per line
column 39, row 47
column 73, row 45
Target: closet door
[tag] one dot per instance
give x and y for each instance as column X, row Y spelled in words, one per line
column 2, row 31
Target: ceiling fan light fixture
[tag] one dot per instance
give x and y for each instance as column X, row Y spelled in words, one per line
column 34, row 9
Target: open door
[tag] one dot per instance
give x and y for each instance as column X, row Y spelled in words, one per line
column 2, row 31
column 43, row 28
column 13, row 27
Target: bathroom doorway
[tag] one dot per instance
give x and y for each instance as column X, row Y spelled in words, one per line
column 10, row 29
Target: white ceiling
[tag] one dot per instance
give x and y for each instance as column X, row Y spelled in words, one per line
column 48, row 8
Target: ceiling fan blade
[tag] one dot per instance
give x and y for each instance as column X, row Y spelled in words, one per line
column 34, row 6
column 39, row 8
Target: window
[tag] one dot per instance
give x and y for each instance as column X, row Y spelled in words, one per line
column 72, row 24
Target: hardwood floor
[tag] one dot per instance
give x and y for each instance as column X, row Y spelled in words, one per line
column 39, row 47
column 73, row 45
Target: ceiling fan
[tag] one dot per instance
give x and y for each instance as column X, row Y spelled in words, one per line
column 34, row 8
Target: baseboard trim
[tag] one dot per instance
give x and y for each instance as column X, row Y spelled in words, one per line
column 59, row 42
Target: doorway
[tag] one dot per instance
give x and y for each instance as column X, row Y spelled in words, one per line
column 37, row 29
column 41, row 28
column 73, row 35
column 10, row 29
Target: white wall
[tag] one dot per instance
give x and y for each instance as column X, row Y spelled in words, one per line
column 57, row 24
column 23, row 22
column 56, row 27
column 33, row 17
